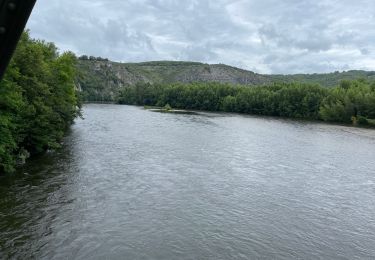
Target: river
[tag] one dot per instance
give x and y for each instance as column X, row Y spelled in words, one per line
column 134, row 184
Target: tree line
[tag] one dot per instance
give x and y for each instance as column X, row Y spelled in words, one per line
column 92, row 58
column 38, row 101
column 350, row 102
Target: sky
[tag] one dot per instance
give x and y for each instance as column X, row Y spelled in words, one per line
column 265, row 36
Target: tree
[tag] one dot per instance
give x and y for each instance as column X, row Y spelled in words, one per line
column 38, row 100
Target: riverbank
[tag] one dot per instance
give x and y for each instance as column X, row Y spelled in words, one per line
column 350, row 103
column 99, row 102
column 184, row 111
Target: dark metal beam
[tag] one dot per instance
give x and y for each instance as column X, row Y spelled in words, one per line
column 13, row 18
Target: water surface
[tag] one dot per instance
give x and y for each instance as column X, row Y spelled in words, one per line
column 135, row 184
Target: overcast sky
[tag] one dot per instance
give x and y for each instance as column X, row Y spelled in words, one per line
column 266, row 36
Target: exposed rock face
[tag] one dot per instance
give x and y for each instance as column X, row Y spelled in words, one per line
column 100, row 80
column 220, row 73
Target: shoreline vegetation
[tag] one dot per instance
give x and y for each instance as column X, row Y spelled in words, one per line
column 38, row 101
column 168, row 109
column 290, row 119
column 350, row 103
column 42, row 93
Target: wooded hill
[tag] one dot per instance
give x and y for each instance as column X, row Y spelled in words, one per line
column 101, row 79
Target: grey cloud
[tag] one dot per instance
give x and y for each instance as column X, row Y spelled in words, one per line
column 365, row 51
column 264, row 35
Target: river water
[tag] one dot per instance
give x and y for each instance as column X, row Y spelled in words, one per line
column 134, row 184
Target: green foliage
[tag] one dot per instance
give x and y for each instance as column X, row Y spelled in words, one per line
column 97, row 80
column 351, row 99
column 38, row 100
column 101, row 79
column 351, row 102
column 361, row 120
column 167, row 107
column 326, row 79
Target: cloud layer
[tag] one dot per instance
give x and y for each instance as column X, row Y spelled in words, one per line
column 266, row 36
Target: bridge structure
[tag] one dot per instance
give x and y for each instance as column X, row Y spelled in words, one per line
column 14, row 15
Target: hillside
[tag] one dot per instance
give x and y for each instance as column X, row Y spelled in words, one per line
column 100, row 79
column 325, row 79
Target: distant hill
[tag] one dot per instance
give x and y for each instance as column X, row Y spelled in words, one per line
column 100, row 79
column 325, row 79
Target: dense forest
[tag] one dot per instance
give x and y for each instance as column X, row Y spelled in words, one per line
column 38, row 101
column 350, row 102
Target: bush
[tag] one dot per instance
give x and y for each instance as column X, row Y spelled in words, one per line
column 361, row 120
column 167, row 107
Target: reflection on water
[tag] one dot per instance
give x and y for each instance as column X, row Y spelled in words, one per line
column 130, row 183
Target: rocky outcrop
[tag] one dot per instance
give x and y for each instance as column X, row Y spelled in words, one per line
column 101, row 79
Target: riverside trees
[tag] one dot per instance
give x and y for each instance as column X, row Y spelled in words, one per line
column 351, row 102
column 38, row 100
